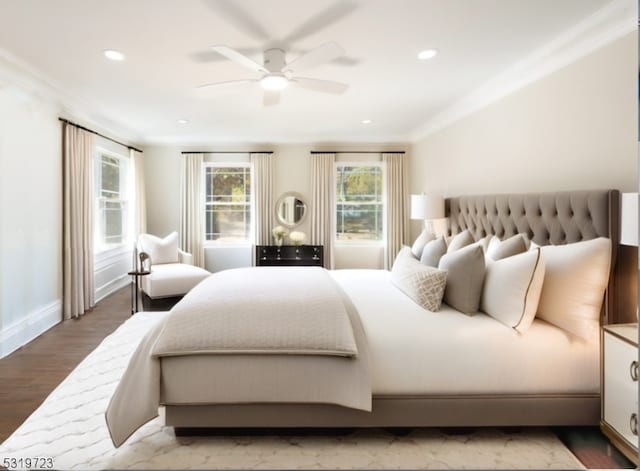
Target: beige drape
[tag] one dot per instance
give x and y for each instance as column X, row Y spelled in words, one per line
column 397, row 205
column 262, row 194
column 78, row 196
column 323, row 231
column 140, row 208
column 192, row 207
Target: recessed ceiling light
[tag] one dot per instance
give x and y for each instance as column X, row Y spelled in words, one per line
column 113, row 55
column 427, row 54
column 182, row 121
column 367, row 121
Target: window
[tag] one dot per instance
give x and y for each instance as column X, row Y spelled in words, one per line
column 359, row 202
column 112, row 201
column 228, row 202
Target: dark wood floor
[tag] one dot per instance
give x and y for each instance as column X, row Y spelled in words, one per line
column 28, row 375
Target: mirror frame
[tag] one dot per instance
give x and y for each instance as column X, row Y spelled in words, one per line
column 279, row 202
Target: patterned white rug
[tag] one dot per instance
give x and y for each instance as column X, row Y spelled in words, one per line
column 69, row 428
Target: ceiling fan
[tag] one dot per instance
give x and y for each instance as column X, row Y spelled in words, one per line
column 276, row 74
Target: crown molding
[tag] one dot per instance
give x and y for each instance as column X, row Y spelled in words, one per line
column 609, row 23
column 27, row 81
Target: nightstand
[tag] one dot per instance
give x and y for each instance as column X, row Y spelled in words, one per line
column 619, row 413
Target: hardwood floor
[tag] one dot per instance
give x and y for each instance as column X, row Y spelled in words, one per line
column 28, row 375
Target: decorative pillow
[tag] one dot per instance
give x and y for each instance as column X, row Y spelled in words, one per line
column 465, row 274
column 425, row 285
column 160, row 250
column 424, row 237
column 575, row 280
column 433, row 251
column 499, row 249
column 512, row 289
column 460, row 240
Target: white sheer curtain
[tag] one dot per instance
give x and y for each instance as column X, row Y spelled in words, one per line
column 397, row 205
column 262, row 182
column 140, row 200
column 78, row 195
column 323, row 204
column 192, row 207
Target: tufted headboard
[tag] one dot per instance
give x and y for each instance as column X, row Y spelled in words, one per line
column 546, row 218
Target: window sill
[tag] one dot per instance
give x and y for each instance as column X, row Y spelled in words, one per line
column 359, row 243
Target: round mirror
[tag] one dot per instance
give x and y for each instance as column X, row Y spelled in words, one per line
column 291, row 209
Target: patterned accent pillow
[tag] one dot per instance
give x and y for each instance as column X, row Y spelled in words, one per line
column 425, row 285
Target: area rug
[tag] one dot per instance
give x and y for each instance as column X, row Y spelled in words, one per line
column 69, row 428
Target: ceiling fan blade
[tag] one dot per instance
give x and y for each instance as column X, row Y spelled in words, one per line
column 226, row 82
column 321, row 20
column 324, row 86
column 212, row 56
column 271, row 98
column 238, row 17
column 241, row 59
column 321, row 54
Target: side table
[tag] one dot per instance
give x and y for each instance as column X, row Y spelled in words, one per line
column 136, row 274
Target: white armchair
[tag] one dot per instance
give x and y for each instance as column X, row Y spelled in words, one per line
column 172, row 272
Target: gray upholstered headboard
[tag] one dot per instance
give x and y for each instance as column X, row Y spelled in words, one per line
column 547, row 218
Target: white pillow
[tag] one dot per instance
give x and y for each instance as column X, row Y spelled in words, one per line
column 575, row 280
column 417, row 247
column 160, row 250
column 512, row 288
column 460, row 240
column 425, row 285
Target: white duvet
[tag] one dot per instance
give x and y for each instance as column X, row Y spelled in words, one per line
column 417, row 352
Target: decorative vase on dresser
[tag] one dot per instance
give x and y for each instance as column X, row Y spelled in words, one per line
column 289, row 255
column 619, row 413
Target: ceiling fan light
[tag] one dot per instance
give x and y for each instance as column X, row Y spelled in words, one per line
column 274, row 82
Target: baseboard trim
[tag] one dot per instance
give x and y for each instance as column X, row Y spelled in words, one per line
column 111, row 287
column 25, row 330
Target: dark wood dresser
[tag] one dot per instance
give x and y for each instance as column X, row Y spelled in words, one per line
column 289, row 255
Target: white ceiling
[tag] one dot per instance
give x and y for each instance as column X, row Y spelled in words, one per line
column 166, row 46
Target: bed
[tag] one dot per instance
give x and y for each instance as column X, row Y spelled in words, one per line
column 421, row 368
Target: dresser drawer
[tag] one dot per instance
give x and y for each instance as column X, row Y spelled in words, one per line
column 620, row 406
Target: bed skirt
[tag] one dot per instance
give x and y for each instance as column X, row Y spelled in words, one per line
column 388, row 411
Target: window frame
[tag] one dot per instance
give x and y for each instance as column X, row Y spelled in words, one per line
column 126, row 199
column 361, row 242
column 228, row 164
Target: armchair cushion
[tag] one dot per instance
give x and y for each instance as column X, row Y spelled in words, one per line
column 160, row 250
column 172, row 279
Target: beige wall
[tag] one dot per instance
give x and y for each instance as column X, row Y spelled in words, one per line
column 574, row 129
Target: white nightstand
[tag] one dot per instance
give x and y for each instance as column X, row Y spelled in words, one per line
column 619, row 421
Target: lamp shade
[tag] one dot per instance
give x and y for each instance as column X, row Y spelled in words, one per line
column 427, row 207
column 629, row 219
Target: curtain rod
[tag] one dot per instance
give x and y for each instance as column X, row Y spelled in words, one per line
column 230, row 152
column 357, row 152
column 98, row 134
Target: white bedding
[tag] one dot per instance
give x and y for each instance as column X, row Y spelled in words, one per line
column 414, row 351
